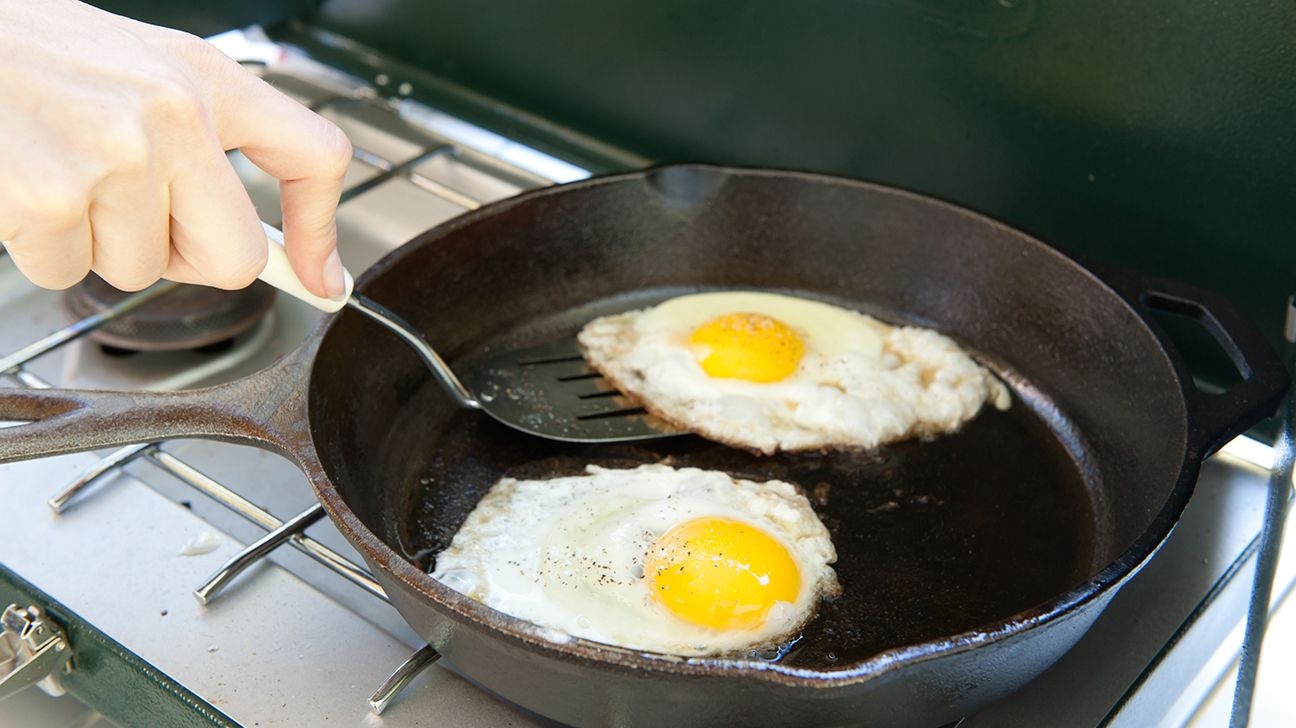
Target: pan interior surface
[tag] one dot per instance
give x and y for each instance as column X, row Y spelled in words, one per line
column 971, row 530
column 933, row 538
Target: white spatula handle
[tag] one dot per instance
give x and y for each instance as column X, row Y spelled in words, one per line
column 279, row 273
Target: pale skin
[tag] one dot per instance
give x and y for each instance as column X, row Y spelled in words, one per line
column 113, row 137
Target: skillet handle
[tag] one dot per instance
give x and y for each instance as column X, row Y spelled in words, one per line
column 1214, row 419
column 61, row 421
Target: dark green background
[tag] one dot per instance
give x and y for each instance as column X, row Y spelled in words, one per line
column 1159, row 134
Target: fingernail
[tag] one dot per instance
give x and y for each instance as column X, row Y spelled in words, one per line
column 334, row 282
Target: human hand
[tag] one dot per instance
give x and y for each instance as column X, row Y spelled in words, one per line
column 113, row 136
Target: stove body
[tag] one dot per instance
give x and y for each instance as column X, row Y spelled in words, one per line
column 303, row 635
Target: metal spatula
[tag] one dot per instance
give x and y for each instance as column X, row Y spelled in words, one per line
column 547, row 391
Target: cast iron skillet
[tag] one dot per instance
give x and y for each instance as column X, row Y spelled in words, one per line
column 969, row 563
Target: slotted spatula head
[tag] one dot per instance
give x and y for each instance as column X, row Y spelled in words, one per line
column 546, row 391
column 550, row 391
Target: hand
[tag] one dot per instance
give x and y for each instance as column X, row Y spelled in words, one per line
column 113, row 136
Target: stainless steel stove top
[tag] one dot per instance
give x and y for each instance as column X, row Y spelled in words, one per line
column 303, row 636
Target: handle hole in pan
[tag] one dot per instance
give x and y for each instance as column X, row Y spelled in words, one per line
column 1214, row 367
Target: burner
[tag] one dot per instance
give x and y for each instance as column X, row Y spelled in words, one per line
column 190, row 317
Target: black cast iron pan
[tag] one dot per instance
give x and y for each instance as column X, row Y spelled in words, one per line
column 969, row 563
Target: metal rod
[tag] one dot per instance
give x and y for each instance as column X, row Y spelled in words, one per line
column 371, row 159
column 84, row 326
column 388, row 691
column 242, row 506
column 430, row 185
column 391, row 171
column 1277, row 503
column 255, row 551
column 92, row 474
column 27, row 379
column 388, row 170
column 207, row 486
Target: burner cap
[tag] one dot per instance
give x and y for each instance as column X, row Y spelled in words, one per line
column 186, row 318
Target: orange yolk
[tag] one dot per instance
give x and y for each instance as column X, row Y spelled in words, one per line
column 748, row 346
column 720, row 573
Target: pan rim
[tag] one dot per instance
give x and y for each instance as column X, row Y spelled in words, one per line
column 499, row 625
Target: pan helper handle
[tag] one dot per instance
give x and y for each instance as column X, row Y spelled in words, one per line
column 279, row 273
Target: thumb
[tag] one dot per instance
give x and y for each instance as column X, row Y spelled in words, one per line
column 310, row 233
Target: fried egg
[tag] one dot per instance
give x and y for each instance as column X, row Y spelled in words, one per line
column 677, row 561
column 771, row 373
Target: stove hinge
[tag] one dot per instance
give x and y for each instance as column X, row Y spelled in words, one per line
column 33, row 651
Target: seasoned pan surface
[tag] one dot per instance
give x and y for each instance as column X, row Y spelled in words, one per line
column 933, row 537
column 1006, row 522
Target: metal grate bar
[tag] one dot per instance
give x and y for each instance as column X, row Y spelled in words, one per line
column 1277, row 505
column 390, row 171
column 94, row 473
column 388, row 691
column 256, row 551
column 27, row 379
column 371, row 159
column 240, row 505
column 445, row 193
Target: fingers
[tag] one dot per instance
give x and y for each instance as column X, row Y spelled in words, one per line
column 213, row 224
column 309, row 154
column 44, row 209
column 130, row 175
column 53, row 256
column 310, row 233
column 129, row 225
column 182, row 271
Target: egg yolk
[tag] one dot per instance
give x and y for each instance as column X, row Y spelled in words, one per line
column 720, row 573
column 749, row 346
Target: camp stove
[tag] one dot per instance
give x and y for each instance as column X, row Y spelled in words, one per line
column 199, row 582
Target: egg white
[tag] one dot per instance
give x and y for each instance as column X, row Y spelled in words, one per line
column 860, row 383
column 568, row 553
